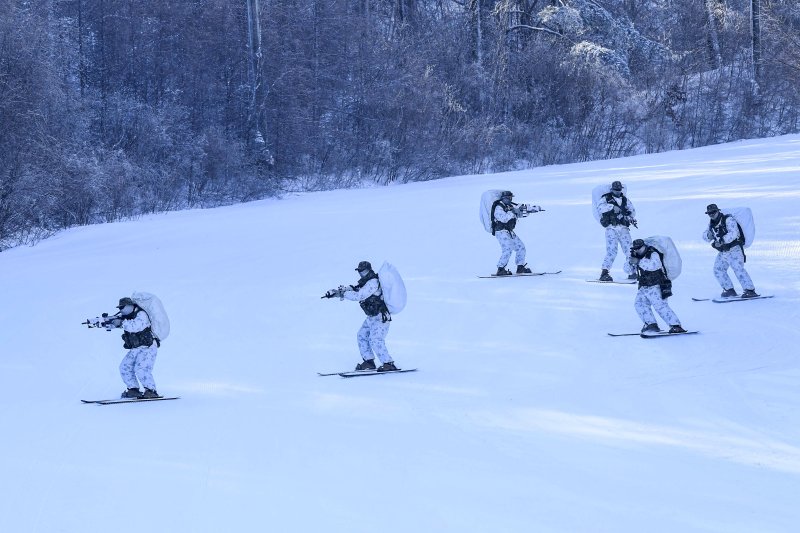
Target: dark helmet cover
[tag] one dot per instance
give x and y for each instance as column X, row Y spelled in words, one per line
column 364, row 265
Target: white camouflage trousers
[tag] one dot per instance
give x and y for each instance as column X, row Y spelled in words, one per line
column 734, row 259
column 648, row 297
column 137, row 367
column 617, row 236
column 509, row 243
column 372, row 339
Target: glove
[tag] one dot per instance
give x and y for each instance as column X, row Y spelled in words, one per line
column 334, row 293
column 534, row 208
column 617, row 210
column 518, row 211
column 717, row 244
column 633, row 260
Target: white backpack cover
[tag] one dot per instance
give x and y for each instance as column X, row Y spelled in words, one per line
column 744, row 217
column 159, row 321
column 487, row 200
column 672, row 259
column 599, row 191
column 394, row 290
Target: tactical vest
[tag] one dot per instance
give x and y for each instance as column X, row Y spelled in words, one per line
column 649, row 278
column 373, row 305
column 137, row 339
column 499, row 226
column 720, row 229
column 609, row 218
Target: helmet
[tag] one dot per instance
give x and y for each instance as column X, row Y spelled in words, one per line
column 636, row 246
column 506, row 194
column 125, row 301
column 364, row 265
column 616, row 186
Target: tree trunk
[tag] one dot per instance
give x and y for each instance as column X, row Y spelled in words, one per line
column 755, row 20
column 713, row 35
column 254, row 69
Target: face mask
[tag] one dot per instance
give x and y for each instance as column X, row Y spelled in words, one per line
column 127, row 310
column 363, row 273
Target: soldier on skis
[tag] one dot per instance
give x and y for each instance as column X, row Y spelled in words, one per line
column 616, row 215
column 504, row 215
column 725, row 236
column 372, row 334
column 654, row 288
column 137, row 366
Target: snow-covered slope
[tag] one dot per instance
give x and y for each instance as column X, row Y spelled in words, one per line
column 524, row 416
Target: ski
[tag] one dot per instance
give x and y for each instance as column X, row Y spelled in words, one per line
column 359, row 373
column 700, row 299
column 623, row 282
column 739, row 299
column 623, row 334
column 522, row 275
column 653, row 335
column 130, row 400
column 340, row 372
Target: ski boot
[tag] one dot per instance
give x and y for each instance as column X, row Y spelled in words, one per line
column 131, row 393
column 750, row 293
column 503, row 271
column 651, row 328
column 366, row 364
column 633, row 277
column 523, row 269
column 149, row 394
column 387, row 367
column 677, row 329
column 729, row 293
column 605, row 276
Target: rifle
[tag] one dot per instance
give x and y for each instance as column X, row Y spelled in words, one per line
column 335, row 293
column 105, row 320
column 527, row 209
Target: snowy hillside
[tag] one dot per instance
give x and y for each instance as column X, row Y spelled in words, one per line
column 524, row 415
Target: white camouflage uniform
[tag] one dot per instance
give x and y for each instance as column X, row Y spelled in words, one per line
column 509, row 242
column 649, row 298
column 733, row 258
column 137, row 365
column 617, row 235
column 372, row 334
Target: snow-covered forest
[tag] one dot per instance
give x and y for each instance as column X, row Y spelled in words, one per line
column 115, row 108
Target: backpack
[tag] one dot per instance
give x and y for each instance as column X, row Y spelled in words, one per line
column 744, row 218
column 159, row 321
column 487, row 202
column 669, row 255
column 393, row 288
column 597, row 193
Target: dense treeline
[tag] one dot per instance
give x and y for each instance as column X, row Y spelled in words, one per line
column 114, row 108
